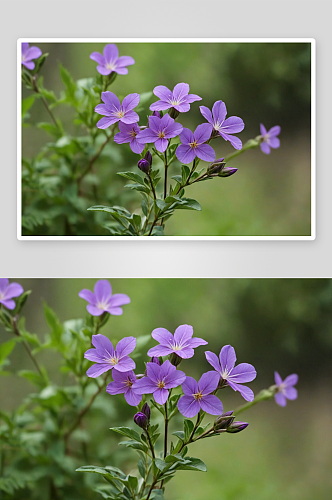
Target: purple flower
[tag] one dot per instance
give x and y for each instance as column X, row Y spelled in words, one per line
column 142, row 418
column 128, row 133
column 270, row 139
column 114, row 111
column 197, row 396
column 285, row 388
column 102, row 299
column 123, row 382
column 158, row 380
column 233, row 376
column 110, row 61
column 107, row 357
column 145, row 163
column 159, row 131
column 193, row 144
column 179, row 99
column 28, row 54
column 8, row 292
column 182, row 343
column 232, row 125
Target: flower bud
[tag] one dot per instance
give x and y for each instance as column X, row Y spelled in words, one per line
column 216, row 166
column 146, row 410
column 154, row 359
column 145, row 163
column 174, row 113
column 175, row 359
column 156, row 113
column 224, row 421
column 141, row 420
column 237, row 427
column 227, row 171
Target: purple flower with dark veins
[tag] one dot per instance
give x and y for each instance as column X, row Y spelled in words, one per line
column 234, row 377
column 8, row 291
column 123, row 384
column 128, row 133
column 193, row 144
column 182, row 343
column 197, row 396
column 270, row 139
column 286, row 389
column 102, row 299
column 159, row 379
column 114, row 111
column 107, row 358
column 159, row 131
column 110, row 61
column 224, row 127
column 28, row 54
column 179, row 99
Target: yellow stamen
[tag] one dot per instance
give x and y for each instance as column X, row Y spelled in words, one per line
column 161, row 135
column 161, row 384
column 198, row 396
column 193, row 144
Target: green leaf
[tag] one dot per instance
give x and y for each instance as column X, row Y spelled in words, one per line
column 51, row 129
column 188, row 428
column 179, row 434
column 136, row 445
column 6, row 349
column 69, row 84
column 185, row 170
column 128, row 432
column 132, row 176
column 27, row 103
column 54, row 324
column 192, row 464
column 189, row 204
column 33, row 377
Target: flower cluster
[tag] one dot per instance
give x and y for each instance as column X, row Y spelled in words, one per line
column 9, row 291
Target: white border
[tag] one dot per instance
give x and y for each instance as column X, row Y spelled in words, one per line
column 312, row 41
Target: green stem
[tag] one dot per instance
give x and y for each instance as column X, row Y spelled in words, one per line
column 95, row 157
column 251, row 144
column 166, row 430
column 36, row 89
column 26, row 346
column 150, row 443
column 263, row 395
column 165, row 181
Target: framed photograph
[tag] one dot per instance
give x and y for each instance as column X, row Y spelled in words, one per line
column 166, row 138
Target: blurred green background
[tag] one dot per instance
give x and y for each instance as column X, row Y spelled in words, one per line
column 265, row 83
column 275, row 324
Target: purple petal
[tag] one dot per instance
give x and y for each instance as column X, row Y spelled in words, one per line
column 277, row 378
column 103, row 345
column 212, row 405
column 232, row 125
column 159, row 350
column 185, row 154
column 186, row 136
column 160, row 396
column 119, row 299
column 130, row 117
column 245, row 392
column 161, row 145
column 102, row 109
column 122, row 138
column 135, row 146
column 183, row 107
column 190, row 386
column 92, row 355
column 274, row 142
column 28, row 64
column 115, row 311
column 291, row 380
column 4, row 281
column 183, row 334
column 163, row 93
column 130, row 102
column 96, row 370
column 213, row 360
column 219, row 111
column 205, row 152
column 207, row 114
column 144, row 386
column 280, row 399
column 172, row 130
column 192, row 98
column 244, row 372
column 121, row 71
column 163, row 336
column 25, row 47
column 174, row 379
column 165, row 369
column 103, row 290
column 132, row 398
column 10, row 304
column 116, row 388
column 124, row 376
column 159, row 106
column 104, row 71
column 274, row 131
column 265, row 148
column 145, row 136
column 13, row 290
column 100, row 59
column 188, row 406
column 180, row 91
column 33, row 53
column 153, row 371
column 185, row 352
column 208, row 382
column 87, row 295
column 263, row 129
column 196, row 342
column 125, row 346
column 111, row 100
column 125, row 61
column 227, row 358
column 235, row 141
column 203, row 133
column 94, row 311
column 111, row 53
column 107, row 122
column 125, row 364
column 290, row 393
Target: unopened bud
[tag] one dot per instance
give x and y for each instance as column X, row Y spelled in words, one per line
column 145, row 163
column 223, row 421
column 154, row 359
column 175, row 359
column 146, row 410
column 237, row 427
column 216, row 166
column 141, row 420
column 227, row 171
column 156, row 113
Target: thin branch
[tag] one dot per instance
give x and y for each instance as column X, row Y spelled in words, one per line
column 36, row 89
column 27, row 347
column 95, row 157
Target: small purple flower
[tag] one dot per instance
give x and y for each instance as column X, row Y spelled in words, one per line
column 102, row 299
column 193, row 144
column 179, row 99
column 158, row 380
column 234, row 377
column 286, row 389
column 232, row 125
column 114, row 111
column 182, row 343
column 107, row 357
column 28, row 54
column 128, row 133
column 197, row 396
column 110, row 61
column 270, row 139
column 123, row 383
column 8, row 291
column 159, row 131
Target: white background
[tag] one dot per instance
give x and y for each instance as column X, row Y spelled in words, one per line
column 181, row 18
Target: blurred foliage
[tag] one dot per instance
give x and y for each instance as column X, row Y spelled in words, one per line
column 267, row 83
